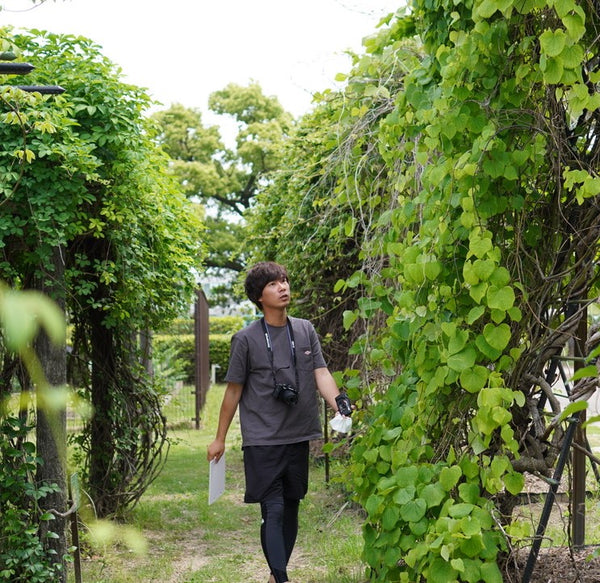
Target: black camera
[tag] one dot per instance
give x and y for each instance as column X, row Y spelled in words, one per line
column 344, row 404
column 286, row 393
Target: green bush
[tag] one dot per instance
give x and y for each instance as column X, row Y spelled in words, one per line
column 217, row 325
column 219, row 353
column 181, row 348
column 225, row 324
column 22, row 554
column 174, row 350
column 180, row 326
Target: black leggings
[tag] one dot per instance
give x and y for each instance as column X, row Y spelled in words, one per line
column 278, row 533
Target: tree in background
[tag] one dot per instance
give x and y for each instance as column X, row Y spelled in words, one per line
column 86, row 191
column 224, row 178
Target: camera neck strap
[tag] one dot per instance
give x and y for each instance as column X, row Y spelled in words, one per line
column 290, row 334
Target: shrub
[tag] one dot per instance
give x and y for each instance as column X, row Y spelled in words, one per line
column 217, row 325
column 226, row 324
column 180, row 326
column 180, row 350
column 22, row 554
column 219, row 353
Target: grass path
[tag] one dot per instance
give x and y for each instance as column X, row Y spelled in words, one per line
column 188, row 541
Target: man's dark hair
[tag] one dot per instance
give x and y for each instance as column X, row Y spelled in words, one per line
column 259, row 275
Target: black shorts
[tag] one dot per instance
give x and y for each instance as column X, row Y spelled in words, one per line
column 274, row 471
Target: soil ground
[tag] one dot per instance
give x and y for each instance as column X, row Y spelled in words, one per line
column 559, row 565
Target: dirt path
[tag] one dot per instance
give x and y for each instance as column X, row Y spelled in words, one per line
column 192, row 556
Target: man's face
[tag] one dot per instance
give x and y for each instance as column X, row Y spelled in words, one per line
column 276, row 294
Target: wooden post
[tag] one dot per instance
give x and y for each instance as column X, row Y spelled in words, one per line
column 202, row 361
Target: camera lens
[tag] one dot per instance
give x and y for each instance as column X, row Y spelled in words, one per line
column 291, row 397
column 286, row 393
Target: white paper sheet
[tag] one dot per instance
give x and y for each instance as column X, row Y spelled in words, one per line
column 216, row 479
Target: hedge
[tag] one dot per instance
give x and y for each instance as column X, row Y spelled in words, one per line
column 217, row 325
column 182, row 347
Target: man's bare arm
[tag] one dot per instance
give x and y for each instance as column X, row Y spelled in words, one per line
column 231, row 399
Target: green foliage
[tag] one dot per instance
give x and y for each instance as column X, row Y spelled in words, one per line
column 89, row 191
column 192, row 146
column 174, row 353
column 169, row 363
column 179, row 326
column 110, row 189
column 22, row 555
column 217, row 324
column 465, row 148
column 440, row 447
column 225, row 324
column 24, row 313
column 219, row 345
column 179, row 351
column 315, row 218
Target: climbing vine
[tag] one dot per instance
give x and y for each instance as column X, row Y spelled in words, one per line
column 472, row 203
column 494, row 138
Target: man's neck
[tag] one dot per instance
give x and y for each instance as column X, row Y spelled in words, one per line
column 275, row 317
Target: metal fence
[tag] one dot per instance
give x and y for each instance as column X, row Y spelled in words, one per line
column 180, row 406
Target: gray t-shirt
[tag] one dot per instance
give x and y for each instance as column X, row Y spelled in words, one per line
column 264, row 419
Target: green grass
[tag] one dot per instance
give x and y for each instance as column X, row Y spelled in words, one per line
column 188, row 541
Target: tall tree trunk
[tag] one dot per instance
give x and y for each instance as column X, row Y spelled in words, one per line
column 51, row 428
column 102, row 446
column 146, row 351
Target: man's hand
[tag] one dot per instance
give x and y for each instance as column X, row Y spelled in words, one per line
column 215, row 450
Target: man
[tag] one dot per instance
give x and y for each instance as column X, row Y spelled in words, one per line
column 275, row 369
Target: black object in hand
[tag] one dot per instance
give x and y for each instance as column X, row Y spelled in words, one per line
column 344, row 404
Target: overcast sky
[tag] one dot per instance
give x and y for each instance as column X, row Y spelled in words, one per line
column 182, row 50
